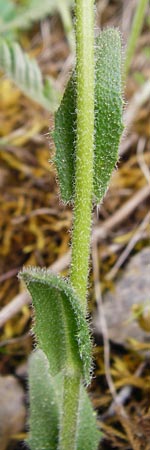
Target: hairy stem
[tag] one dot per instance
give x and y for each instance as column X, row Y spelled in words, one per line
column 83, row 196
column 135, row 32
column 85, row 147
column 68, row 430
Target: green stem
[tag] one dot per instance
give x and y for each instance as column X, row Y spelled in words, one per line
column 83, row 197
column 68, row 429
column 85, row 147
column 135, row 32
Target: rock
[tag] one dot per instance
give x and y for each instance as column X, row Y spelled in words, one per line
column 12, row 409
column 132, row 288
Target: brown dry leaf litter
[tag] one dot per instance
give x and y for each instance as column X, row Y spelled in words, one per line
column 35, row 226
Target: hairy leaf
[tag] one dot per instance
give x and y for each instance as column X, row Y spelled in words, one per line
column 88, row 434
column 108, row 120
column 46, row 394
column 26, row 74
column 65, row 119
column 60, row 326
column 108, row 108
column 44, row 408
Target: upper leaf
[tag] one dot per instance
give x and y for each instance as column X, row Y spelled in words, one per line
column 108, row 108
column 14, row 17
column 7, row 11
column 26, row 73
column 64, row 137
column 108, row 120
column 7, row 14
column 60, row 326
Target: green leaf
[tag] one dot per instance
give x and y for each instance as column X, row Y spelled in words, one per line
column 88, row 434
column 64, row 137
column 108, row 108
column 44, row 408
column 34, row 10
column 26, row 74
column 108, row 120
column 7, row 11
column 60, row 326
column 46, row 395
column 7, row 14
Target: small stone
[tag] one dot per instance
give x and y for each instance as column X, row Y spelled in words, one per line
column 132, row 288
column 12, row 409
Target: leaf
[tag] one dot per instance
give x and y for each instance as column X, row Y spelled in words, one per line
column 108, row 109
column 88, row 434
column 60, row 326
column 44, row 409
column 46, row 395
column 7, row 14
column 65, row 119
column 7, row 11
column 108, row 120
column 33, row 11
column 26, row 74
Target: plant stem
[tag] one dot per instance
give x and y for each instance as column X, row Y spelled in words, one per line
column 68, row 430
column 83, row 197
column 135, row 32
column 85, row 147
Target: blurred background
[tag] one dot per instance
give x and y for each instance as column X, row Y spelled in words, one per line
column 37, row 54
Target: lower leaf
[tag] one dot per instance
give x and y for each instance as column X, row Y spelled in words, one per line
column 46, row 394
column 44, row 409
column 60, row 325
